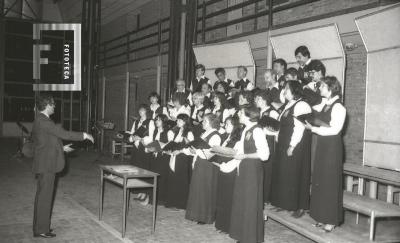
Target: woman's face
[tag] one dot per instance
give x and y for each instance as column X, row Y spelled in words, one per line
column 153, row 100
column 206, row 124
column 288, row 93
column 324, row 90
column 228, row 126
column 176, row 104
column 142, row 112
column 216, row 101
column 159, row 123
column 220, row 88
column 242, row 116
column 180, row 123
column 258, row 101
column 196, row 101
column 242, row 100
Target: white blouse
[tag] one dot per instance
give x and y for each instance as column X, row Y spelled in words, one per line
column 338, row 117
column 173, row 113
column 301, row 108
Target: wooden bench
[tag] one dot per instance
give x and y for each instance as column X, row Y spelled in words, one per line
column 372, row 207
column 369, row 205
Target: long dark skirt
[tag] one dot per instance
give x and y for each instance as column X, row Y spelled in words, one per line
column 140, row 158
column 201, row 205
column 159, row 163
column 291, row 176
column 327, row 194
column 247, row 216
column 225, row 185
column 178, row 182
column 268, row 169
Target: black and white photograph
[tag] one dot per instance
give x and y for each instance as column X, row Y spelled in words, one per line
column 199, row 121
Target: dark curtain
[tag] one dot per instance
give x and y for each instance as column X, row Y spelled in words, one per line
column 173, row 47
column 191, row 39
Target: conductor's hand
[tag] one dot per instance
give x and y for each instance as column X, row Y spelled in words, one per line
column 67, row 148
column 87, row 136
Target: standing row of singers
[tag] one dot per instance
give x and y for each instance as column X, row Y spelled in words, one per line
column 282, row 135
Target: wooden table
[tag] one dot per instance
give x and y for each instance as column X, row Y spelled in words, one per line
column 128, row 177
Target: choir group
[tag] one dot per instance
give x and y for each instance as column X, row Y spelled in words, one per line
column 286, row 139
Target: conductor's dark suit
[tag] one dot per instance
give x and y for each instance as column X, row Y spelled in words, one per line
column 48, row 159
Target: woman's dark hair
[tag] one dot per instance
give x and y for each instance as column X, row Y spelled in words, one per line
column 43, row 100
column 303, row 50
column 186, row 119
column 237, row 128
column 154, row 94
column 263, row 94
column 222, row 99
column 247, row 95
column 219, row 70
column 333, row 85
column 316, row 65
column 213, row 119
column 220, row 84
column 252, row 112
column 163, row 118
column 295, row 88
column 292, row 71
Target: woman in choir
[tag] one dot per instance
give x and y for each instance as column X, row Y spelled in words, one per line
column 180, row 164
column 203, row 186
column 197, row 112
column 159, row 161
column 291, row 172
column 263, row 102
column 326, row 206
column 247, row 217
column 180, row 106
column 155, row 106
column 220, row 107
column 142, row 134
column 226, row 179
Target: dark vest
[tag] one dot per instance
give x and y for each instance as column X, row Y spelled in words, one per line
column 325, row 114
column 158, row 111
column 249, row 145
column 199, row 112
column 241, row 84
column 163, row 136
column 209, row 136
column 196, row 84
column 143, row 130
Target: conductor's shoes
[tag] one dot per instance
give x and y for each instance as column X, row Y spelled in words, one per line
column 45, row 235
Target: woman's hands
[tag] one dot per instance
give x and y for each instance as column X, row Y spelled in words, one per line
column 240, row 156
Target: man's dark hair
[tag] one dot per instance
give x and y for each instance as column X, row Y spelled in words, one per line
column 200, row 66
column 43, row 100
column 219, row 70
column 303, row 50
column 282, row 62
column 316, row 65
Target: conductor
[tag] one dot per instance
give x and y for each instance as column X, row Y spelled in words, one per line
column 48, row 159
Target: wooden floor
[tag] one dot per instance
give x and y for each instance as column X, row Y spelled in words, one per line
column 386, row 230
